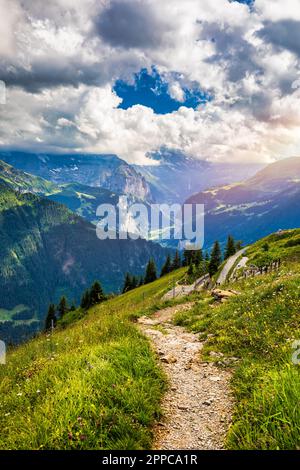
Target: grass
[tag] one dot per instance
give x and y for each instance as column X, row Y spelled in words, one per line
column 93, row 384
column 258, row 327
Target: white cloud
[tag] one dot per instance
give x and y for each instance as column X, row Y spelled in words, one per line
column 68, row 67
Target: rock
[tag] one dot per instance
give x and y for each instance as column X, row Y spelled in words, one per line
column 183, row 407
column 219, row 294
column 169, row 359
column 215, row 379
column 206, row 402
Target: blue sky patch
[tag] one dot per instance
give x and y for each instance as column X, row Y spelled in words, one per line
column 149, row 89
column 247, row 2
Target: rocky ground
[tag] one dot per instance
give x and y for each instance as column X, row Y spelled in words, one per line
column 197, row 406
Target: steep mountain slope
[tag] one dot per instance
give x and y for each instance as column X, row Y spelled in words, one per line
column 261, row 205
column 106, row 171
column 81, row 199
column 47, row 251
column 25, row 182
column 175, row 176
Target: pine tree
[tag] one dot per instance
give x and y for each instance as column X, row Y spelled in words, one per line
column 50, row 318
column 85, row 300
column 191, row 270
column 150, row 275
column 238, row 245
column 62, row 307
column 176, row 263
column 127, row 283
column 215, row 259
column 230, row 247
column 187, row 254
column 96, row 293
column 141, row 281
column 134, row 282
column 166, row 267
column 198, row 258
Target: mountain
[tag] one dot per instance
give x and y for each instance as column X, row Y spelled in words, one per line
column 265, row 203
column 25, row 182
column 81, row 199
column 174, row 176
column 106, row 171
column 47, row 251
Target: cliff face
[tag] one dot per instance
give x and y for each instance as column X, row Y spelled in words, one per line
column 106, row 171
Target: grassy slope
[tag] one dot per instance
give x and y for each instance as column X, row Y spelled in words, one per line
column 93, row 385
column 259, row 327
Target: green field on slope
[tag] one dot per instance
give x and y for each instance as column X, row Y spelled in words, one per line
column 93, row 385
column 258, row 327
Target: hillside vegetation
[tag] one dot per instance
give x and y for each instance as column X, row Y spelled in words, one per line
column 94, row 384
column 47, row 251
column 254, row 332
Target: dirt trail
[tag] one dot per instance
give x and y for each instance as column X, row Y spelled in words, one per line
column 197, row 406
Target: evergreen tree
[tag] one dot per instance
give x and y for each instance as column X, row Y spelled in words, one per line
column 191, row 270
column 150, row 275
column 127, row 283
column 215, row 259
column 198, row 257
column 187, row 254
column 141, row 281
column 238, row 245
column 50, row 318
column 62, row 307
column 176, row 263
column 230, row 247
column 85, row 300
column 134, row 282
column 166, row 267
column 96, row 293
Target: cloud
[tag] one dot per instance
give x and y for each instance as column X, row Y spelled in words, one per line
column 283, row 34
column 10, row 14
column 131, row 23
column 61, row 60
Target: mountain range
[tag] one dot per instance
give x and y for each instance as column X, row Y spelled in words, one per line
column 266, row 202
column 174, row 176
column 48, row 251
column 105, row 171
column 49, row 246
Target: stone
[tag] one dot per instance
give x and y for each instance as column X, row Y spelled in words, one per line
column 183, row 407
column 215, row 378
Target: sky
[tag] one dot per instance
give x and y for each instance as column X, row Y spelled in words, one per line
column 215, row 79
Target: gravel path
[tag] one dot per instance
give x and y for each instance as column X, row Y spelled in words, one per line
column 197, row 407
column 229, row 264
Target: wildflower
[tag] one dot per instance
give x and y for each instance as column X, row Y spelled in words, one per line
column 38, row 391
column 82, row 437
column 19, row 394
column 70, row 436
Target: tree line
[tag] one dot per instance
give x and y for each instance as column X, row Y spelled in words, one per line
column 92, row 296
column 198, row 264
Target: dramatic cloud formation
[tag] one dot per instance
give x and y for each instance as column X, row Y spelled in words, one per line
column 220, row 77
